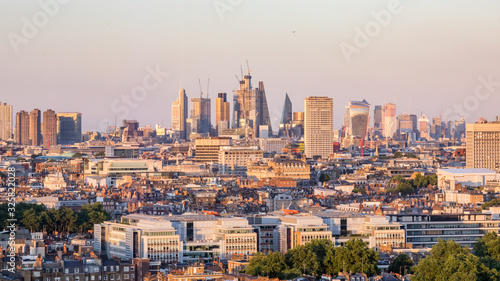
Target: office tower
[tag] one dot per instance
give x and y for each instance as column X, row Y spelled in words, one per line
column 5, row 121
column 180, row 114
column 356, row 118
column 423, row 125
column 200, row 115
column 389, row 120
column 449, row 129
column 298, row 124
column 405, row 124
column 286, row 117
column 250, row 107
column 483, row 145
column 460, row 129
column 35, row 134
column 130, row 130
column 414, row 123
column 222, row 112
column 49, row 129
column 21, row 134
column 69, row 128
column 436, row 128
column 377, row 120
column 318, row 126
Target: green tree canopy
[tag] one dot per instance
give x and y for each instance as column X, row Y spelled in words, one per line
column 449, row 261
column 401, row 264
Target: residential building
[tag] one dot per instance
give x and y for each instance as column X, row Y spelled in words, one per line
column 49, row 129
column 21, row 135
column 5, row 121
column 35, row 127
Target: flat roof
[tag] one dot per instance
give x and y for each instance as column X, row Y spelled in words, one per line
column 468, row 171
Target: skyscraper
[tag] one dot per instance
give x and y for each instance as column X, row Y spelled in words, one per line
column 356, row 118
column 201, row 115
column 222, row 112
column 5, row 121
column 49, row 129
column 69, row 128
column 460, row 129
column 250, row 107
column 436, row 128
column 318, row 126
column 21, row 134
column 389, row 120
column 180, row 114
column 35, row 134
column 377, row 120
column 483, row 145
column 423, row 126
column 286, row 116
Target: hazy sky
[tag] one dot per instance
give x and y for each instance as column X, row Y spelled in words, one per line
column 87, row 54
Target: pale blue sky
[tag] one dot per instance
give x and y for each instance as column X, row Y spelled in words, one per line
column 91, row 52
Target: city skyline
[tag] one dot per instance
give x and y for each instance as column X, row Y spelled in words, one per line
column 411, row 60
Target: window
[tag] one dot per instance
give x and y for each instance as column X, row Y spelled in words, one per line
column 111, row 277
column 67, row 278
column 77, row 278
column 125, row 268
column 92, row 277
column 66, row 270
column 77, row 270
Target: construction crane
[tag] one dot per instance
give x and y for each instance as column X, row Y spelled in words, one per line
column 248, row 67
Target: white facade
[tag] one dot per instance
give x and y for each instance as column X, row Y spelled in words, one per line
column 448, row 178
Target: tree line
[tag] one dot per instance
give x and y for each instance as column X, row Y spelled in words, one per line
column 63, row 220
column 448, row 260
column 316, row 258
column 407, row 187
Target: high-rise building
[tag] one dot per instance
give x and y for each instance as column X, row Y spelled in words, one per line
column 69, row 128
column 318, row 126
column 35, row 134
column 286, row 117
column 298, row 124
column 483, row 145
column 389, row 120
column 250, row 107
column 180, row 114
column 21, row 135
column 356, row 118
column 460, row 129
column 377, row 119
column 222, row 112
column 423, row 125
column 49, row 129
column 436, row 128
column 5, row 121
column 201, row 115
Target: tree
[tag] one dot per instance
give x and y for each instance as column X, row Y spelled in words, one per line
column 359, row 190
column 491, row 203
column 324, row 177
column 401, row 263
column 100, row 154
column 91, row 214
column 398, row 154
column 354, row 256
column 449, row 261
column 488, row 246
column 77, row 155
column 31, row 220
column 405, row 188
